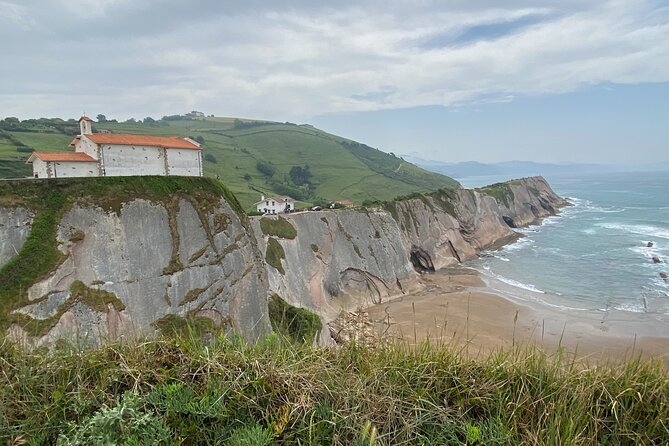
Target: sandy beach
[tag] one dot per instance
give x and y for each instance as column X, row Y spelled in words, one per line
column 460, row 307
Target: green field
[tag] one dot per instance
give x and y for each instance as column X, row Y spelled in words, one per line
column 340, row 169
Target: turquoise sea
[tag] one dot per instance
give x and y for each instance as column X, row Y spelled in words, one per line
column 594, row 255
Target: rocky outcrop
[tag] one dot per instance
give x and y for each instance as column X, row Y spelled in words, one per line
column 149, row 261
column 339, row 259
column 14, row 229
column 526, row 201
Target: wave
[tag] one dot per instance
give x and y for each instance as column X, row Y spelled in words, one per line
column 520, row 244
column 502, row 258
column 517, row 284
column 632, row 307
column 652, row 231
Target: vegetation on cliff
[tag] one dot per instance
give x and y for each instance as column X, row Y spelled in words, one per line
column 185, row 391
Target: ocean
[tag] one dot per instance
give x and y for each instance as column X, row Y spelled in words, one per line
column 594, row 255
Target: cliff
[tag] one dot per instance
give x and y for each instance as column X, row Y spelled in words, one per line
column 333, row 260
column 110, row 257
column 126, row 256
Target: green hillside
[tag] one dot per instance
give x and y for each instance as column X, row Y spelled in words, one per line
column 252, row 157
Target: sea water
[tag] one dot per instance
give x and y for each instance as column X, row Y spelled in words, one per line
column 595, row 254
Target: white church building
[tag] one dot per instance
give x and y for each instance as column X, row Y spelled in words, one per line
column 113, row 154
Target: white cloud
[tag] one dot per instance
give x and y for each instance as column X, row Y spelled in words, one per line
column 254, row 60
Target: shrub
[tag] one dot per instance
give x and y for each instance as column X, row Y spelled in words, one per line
column 275, row 254
column 211, row 158
column 297, row 324
column 265, row 168
column 279, row 227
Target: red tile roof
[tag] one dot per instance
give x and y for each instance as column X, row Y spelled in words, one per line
column 85, row 118
column 167, row 142
column 62, row 156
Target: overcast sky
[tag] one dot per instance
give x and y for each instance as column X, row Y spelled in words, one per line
column 446, row 80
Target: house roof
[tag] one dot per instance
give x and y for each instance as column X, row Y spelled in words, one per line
column 166, row 142
column 61, row 156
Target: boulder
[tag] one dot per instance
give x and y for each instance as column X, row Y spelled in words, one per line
column 664, row 276
column 649, row 245
column 656, row 259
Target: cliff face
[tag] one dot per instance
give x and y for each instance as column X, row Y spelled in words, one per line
column 123, row 273
column 341, row 259
column 122, row 266
column 14, row 228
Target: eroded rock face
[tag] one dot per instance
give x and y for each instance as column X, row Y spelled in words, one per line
column 340, row 259
column 532, row 199
column 14, row 229
column 157, row 259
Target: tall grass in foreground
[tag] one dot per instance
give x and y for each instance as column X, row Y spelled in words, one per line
column 185, row 391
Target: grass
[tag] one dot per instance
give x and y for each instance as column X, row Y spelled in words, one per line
column 342, row 169
column 275, row 254
column 278, row 227
column 186, row 391
column 297, row 324
column 500, row 191
column 49, row 199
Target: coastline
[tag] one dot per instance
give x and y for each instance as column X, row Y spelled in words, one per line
column 459, row 306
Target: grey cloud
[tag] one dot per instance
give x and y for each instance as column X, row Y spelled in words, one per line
column 295, row 59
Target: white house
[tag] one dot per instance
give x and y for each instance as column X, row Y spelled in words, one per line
column 112, row 154
column 275, row 205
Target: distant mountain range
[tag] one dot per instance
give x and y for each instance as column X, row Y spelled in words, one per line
column 515, row 169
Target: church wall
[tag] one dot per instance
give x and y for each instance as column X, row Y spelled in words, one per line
column 65, row 169
column 121, row 160
column 87, row 146
column 40, row 168
column 184, row 162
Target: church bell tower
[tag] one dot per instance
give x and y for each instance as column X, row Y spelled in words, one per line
column 85, row 125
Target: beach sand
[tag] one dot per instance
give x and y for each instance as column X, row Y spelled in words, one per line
column 457, row 307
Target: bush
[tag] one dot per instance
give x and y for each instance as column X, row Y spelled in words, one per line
column 265, row 168
column 279, row 227
column 275, row 254
column 297, row 324
column 210, row 157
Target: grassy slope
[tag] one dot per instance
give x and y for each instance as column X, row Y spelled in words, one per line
column 183, row 391
column 342, row 170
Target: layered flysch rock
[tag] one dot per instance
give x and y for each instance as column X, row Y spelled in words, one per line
column 339, row 259
column 124, row 271
column 342, row 259
column 14, row 229
column 154, row 260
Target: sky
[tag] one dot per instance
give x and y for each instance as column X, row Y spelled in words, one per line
column 445, row 80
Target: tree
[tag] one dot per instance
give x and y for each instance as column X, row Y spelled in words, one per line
column 265, row 168
column 211, row 158
column 300, row 175
column 101, row 118
column 199, row 139
column 149, row 120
